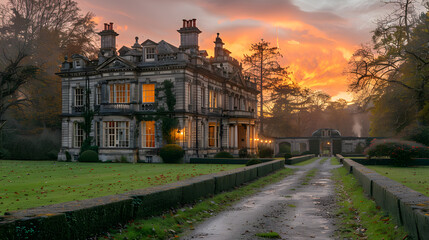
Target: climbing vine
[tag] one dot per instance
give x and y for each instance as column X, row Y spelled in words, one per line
column 88, row 116
column 165, row 115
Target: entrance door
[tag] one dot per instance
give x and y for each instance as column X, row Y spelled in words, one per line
column 242, row 136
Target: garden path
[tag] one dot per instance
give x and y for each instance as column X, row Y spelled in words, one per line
column 297, row 207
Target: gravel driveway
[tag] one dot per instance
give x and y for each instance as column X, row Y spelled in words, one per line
column 297, row 207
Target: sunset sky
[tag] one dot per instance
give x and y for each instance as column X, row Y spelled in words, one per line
column 316, row 37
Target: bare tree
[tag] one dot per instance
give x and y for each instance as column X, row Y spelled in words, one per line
column 34, row 35
column 263, row 66
column 398, row 56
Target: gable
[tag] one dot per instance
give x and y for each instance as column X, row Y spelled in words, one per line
column 116, row 62
column 149, row 42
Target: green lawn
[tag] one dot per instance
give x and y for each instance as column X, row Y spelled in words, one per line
column 416, row 178
column 306, row 162
column 25, row 184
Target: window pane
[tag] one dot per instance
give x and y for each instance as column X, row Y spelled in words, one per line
column 148, row 93
column 148, row 134
column 211, row 136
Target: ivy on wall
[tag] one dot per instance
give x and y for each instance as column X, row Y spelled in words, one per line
column 165, row 115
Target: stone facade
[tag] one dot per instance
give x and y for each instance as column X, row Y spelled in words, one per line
column 215, row 103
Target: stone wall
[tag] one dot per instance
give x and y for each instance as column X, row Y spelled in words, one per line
column 408, row 207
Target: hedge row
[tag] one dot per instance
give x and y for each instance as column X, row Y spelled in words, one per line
column 408, row 207
column 81, row 219
column 299, row 159
column 226, row 160
column 388, row 161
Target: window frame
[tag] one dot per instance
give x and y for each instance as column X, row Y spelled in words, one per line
column 146, row 98
column 112, row 130
column 119, row 93
column 145, row 134
column 78, row 97
column 150, row 53
column 78, row 135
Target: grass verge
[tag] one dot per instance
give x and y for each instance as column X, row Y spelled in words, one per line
column 309, row 161
column 416, row 178
column 268, row 235
column 174, row 223
column 26, row 184
column 310, row 174
column 358, row 216
column 335, row 162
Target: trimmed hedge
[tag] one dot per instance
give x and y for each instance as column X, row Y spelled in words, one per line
column 225, row 160
column 298, row 159
column 171, row 153
column 223, row 155
column 81, row 219
column 89, row 156
column 253, row 162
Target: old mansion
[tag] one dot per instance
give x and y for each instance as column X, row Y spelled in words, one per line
column 215, row 104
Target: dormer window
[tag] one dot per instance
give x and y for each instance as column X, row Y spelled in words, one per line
column 77, row 64
column 150, row 53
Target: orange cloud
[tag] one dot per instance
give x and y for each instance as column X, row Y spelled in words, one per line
column 316, row 38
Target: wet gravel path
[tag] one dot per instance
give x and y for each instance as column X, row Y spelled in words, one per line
column 297, row 207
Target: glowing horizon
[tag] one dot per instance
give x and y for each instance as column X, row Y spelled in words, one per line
column 316, row 39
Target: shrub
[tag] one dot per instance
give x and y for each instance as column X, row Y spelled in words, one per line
column 171, row 153
column 296, row 153
column 68, row 156
column 287, row 156
column 284, row 148
column 243, row 153
column 265, row 152
column 306, row 153
column 401, row 152
column 89, row 156
column 86, row 145
column 253, row 162
column 420, row 135
column 52, row 155
column 4, row 153
column 223, row 155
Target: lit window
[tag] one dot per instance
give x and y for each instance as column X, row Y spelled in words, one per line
column 148, row 134
column 148, row 93
column 179, row 136
column 213, row 135
column 78, row 96
column 150, row 53
column 116, row 134
column 77, row 135
column 213, row 99
column 120, row 93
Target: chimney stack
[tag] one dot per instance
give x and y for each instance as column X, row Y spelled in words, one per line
column 108, row 41
column 189, row 35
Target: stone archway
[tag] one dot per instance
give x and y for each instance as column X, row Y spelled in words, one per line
column 281, row 147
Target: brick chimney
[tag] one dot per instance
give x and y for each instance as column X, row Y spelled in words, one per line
column 108, row 41
column 189, row 35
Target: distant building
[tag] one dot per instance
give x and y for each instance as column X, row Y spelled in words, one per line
column 325, row 141
column 215, row 104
